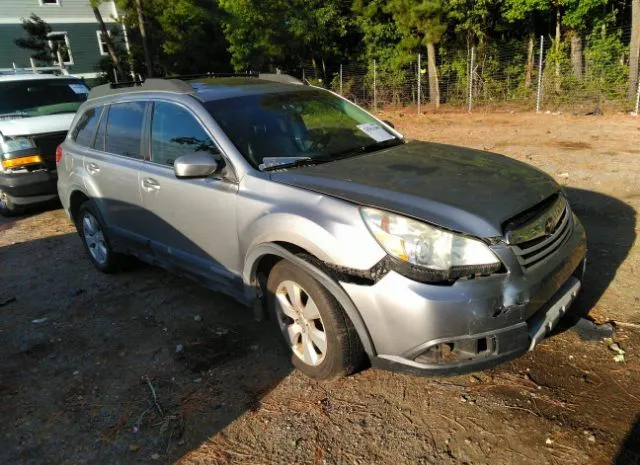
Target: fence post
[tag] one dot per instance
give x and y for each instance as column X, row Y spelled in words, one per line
column 419, row 85
column 473, row 56
column 375, row 95
column 340, row 78
column 638, row 98
column 539, row 95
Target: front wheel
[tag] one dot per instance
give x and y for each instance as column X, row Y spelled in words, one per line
column 323, row 342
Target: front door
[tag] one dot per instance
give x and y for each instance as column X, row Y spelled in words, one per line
column 190, row 222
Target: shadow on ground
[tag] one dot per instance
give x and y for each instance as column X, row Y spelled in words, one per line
column 629, row 452
column 610, row 226
column 137, row 367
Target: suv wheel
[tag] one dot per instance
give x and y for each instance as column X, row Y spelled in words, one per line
column 322, row 339
column 7, row 207
column 95, row 240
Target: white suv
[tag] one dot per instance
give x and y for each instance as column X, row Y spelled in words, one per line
column 36, row 111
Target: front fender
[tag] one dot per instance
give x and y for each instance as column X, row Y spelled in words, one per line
column 261, row 250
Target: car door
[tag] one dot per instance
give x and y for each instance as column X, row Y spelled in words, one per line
column 191, row 222
column 113, row 167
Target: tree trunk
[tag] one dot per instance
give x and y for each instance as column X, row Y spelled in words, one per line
column 434, row 87
column 557, row 47
column 143, row 34
column 107, row 38
column 634, row 47
column 528, row 73
column 576, row 55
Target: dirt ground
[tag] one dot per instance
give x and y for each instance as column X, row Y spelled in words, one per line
column 144, row 367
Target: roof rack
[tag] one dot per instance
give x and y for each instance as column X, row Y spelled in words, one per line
column 187, row 77
column 178, row 84
column 150, row 85
column 280, row 77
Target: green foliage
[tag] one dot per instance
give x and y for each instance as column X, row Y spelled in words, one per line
column 185, row 36
column 36, row 40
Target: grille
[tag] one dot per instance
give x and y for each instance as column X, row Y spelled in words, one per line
column 557, row 227
column 47, row 143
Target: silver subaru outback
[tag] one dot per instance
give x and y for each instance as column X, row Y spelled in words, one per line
column 356, row 244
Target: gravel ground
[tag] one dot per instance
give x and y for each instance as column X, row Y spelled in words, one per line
column 145, row 367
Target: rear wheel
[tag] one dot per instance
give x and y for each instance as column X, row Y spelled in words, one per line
column 7, row 207
column 95, row 240
column 323, row 342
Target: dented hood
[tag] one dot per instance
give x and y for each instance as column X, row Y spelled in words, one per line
column 462, row 189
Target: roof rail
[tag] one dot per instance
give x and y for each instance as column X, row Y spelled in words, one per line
column 280, row 77
column 186, row 77
column 150, row 85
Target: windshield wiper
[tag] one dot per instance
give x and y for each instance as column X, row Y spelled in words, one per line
column 378, row 145
column 276, row 163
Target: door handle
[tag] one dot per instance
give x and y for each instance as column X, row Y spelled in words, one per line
column 150, row 185
column 92, row 168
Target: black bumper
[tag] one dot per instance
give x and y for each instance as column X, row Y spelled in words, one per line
column 29, row 188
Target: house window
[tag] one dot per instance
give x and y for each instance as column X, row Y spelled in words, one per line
column 102, row 43
column 49, row 2
column 59, row 42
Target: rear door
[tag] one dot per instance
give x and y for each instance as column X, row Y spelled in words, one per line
column 191, row 222
column 113, row 168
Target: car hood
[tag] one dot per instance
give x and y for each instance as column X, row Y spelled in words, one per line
column 457, row 188
column 36, row 124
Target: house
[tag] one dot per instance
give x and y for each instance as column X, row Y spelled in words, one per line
column 74, row 26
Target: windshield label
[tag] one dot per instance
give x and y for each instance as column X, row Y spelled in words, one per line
column 375, row 132
column 79, row 88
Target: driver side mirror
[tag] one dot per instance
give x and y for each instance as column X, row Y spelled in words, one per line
column 196, row 165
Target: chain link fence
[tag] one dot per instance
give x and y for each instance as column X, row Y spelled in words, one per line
column 540, row 74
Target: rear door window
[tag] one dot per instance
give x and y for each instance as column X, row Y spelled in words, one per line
column 124, row 129
column 83, row 131
column 176, row 132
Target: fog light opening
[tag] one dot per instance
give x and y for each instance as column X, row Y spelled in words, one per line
column 457, row 351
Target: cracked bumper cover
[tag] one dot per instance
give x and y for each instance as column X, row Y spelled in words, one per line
column 511, row 312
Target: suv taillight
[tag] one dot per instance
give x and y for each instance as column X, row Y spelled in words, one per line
column 59, row 154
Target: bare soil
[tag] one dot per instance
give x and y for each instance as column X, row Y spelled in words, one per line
column 145, row 367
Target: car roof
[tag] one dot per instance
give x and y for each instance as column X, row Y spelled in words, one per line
column 32, row 77
column 222, row 88
column 204, row 88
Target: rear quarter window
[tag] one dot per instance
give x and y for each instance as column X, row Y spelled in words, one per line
column 83, row 132
column 124, row 129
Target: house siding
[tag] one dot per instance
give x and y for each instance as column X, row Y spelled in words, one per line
column 69, row 11
column 82, row 39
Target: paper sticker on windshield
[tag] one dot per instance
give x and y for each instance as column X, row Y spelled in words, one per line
column 79, row 88
column 375, row 132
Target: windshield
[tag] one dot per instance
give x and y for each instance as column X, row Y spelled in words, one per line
column 308, row 125
column 38, row 97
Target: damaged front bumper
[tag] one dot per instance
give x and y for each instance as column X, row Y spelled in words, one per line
column 471, row 324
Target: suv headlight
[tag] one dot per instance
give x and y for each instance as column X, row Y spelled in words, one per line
column 429, row 247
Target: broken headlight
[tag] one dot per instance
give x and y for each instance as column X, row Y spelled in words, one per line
column 447, row 254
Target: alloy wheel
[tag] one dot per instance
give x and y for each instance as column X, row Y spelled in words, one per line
column 94, row 238
column 300, row 322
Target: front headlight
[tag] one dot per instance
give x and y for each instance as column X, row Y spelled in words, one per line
column 427, row 246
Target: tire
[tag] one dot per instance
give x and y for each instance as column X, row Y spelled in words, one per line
column 291, row 295
column 7, row 207
column 96, row 243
